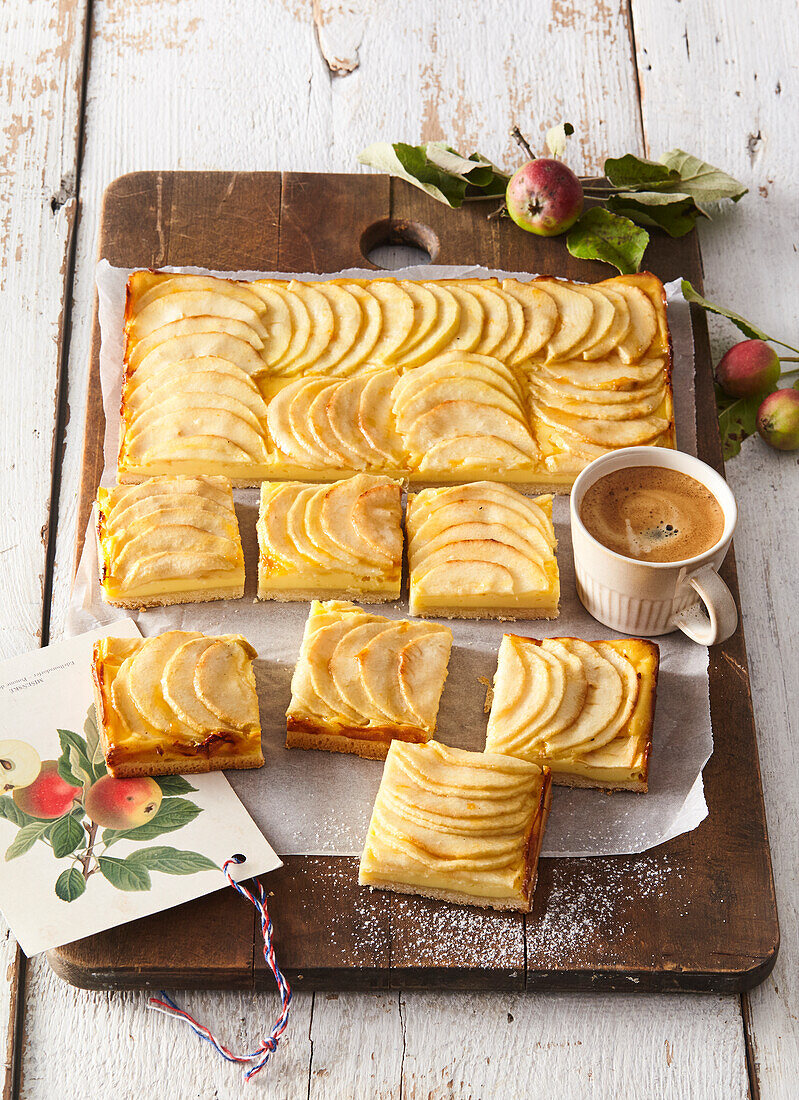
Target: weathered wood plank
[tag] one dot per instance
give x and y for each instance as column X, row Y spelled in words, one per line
column 727, row 88
column 41, row 67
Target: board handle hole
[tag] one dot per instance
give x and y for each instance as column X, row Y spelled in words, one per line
column 393, row 243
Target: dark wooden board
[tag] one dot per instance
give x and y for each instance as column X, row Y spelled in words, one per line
column 697, row 913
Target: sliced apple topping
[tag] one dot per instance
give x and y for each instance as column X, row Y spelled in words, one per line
column 225, row 683
column 459, row 396
column 322, row 325
column 347, row 322
column 575, row 316
column 540, row 318
column 186, row 685
column 168, row 529
column 148, row 367
column 325, row 423
column 299, row 323
column 397, row 312
column 350, row 526
column 598, row 688
column 643, row 321
column 439, row 334
column 361, row 670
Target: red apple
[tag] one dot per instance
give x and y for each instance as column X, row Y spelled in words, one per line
column 748, row 369
column 123, row 803
column 778, row 420
column 544, row 197
column 48, row 796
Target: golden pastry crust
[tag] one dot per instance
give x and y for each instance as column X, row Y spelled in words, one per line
column 331, row 541
column 168, row 540
column 181, row 675
column 363, row 680
column 457, row 826
column 584, row 709
column 482, row 551
column 441, row 382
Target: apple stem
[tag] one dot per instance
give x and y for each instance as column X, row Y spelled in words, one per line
column 522, row 142
column 498, row 213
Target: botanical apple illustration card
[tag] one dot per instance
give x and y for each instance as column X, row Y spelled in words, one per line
column 81, row 851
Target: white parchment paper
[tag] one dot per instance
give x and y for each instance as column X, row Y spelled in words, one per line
column 314, row 803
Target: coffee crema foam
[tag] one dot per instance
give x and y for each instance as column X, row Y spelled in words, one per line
column 652, row 513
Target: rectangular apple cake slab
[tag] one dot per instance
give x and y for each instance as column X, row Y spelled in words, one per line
column 435, row 381
column 331, row 541
column 168, row 540
column 177, row 702
column 363, row 681
column 482, row 551
column 460, row 826
column 584, row 709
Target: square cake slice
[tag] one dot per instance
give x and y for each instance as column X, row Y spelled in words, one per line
column 169, row 540
column 177, row 702
column 482, row 551
column 583, row 709
column 461, row 826
column 330, row 541
column 362, row 681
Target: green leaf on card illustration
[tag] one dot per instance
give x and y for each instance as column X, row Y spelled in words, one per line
column 11, row 812
column 26, row 838
column 73, row 765
column 70, row 884
column 171, row 861
column 173, row 814
column 173, row 784
column 94, row 749
column 124, row 874
column 66, row 835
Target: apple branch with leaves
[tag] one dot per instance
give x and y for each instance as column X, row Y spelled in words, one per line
column 66, row 803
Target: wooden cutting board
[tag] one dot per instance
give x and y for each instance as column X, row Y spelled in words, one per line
column 697, row 913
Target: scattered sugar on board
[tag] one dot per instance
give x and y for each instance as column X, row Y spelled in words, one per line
column 594, row 906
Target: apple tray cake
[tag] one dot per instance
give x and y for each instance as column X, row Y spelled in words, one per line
column 363, row 680
column 177, row 702
column 331, row 541
column 461, row 826
column 482, row 551
column 436, row 381
column 168, row 540
column 583, row 709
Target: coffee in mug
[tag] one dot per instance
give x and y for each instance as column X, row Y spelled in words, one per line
column 652, row 513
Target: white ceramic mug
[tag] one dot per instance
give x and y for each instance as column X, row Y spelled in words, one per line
column 648, row 597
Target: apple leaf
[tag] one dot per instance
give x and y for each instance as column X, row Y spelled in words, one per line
column 746, row 327
column 556, row 138
column 701, row 180
column 173, row 784
column 632, row 171
column 66, row 835
column 737, row 420
column 436, row 169
column 676, row 214
column 123, row 874
column 171, row 861
column 11, row 812
column 602, row 235
column 26, row 838
column 70, row 884
column 173, row 813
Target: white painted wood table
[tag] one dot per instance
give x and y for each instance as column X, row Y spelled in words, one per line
column 89, row 90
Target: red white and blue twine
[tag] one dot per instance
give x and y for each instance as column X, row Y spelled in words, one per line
column 258, row 1059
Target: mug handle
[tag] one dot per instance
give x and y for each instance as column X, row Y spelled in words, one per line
column 722, row 614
